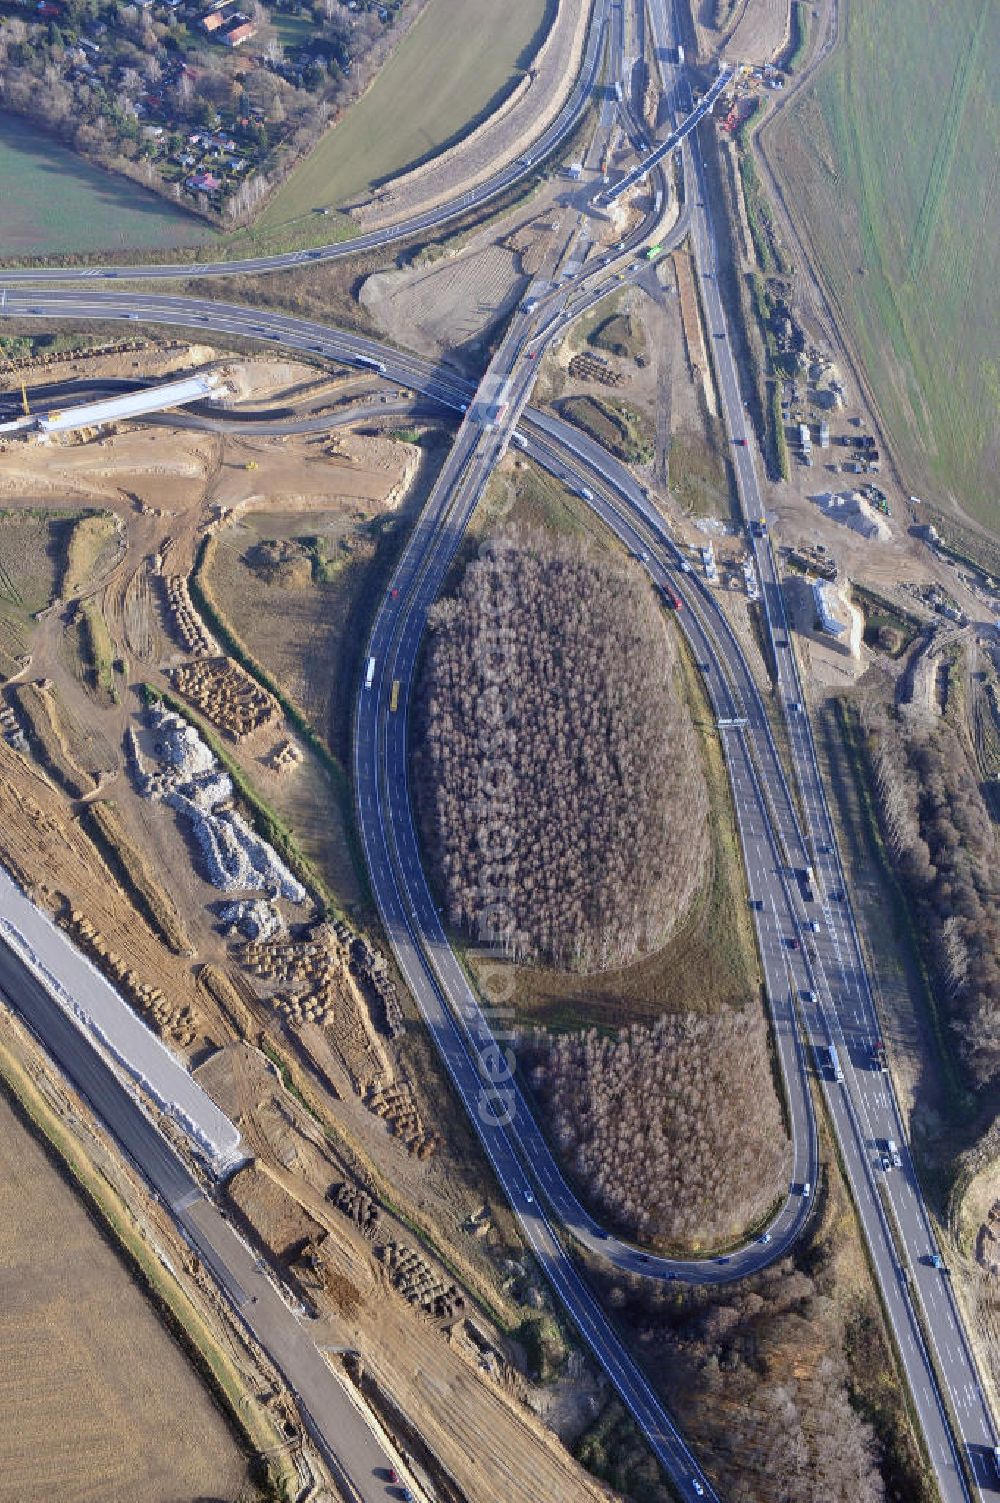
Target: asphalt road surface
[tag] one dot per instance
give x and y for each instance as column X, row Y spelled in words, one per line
column 823, row 980
column 596, row 466
column 431, row 220
column 271, row 1316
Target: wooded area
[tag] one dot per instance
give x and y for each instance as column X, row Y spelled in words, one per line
column 940, row 835
column 673, row 1130
column 557, row 773
column 767, row 1378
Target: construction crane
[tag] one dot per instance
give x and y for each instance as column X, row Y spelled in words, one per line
column 24, row 400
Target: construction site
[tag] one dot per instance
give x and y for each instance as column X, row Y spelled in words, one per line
column 190, row 542
column 163, row 808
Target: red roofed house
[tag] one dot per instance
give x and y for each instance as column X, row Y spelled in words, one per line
column 240, row 34
column 204, row 182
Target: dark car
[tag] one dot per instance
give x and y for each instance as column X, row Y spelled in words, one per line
column 792, row 942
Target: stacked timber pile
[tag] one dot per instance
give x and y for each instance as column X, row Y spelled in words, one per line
column 184, row 619
column 180, row 1024
column 226, row 695
column 419, row 1284
column 357, row 1206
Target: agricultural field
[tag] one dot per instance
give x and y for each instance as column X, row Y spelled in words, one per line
column 450, row 71
column 889, row 167
column 107, row 1405
column 54, row 203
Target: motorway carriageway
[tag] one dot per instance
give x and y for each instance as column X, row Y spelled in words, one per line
column 432, row 219
column 440, row 385
column 453, row 392
column 827, row 1021
column 346, row 1441
column 946, row 1334
column 918, row 1298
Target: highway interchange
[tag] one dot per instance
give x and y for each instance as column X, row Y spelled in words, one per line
column 820, row 988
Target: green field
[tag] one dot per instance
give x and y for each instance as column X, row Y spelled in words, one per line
column 890, row 165
column 52, row 202
column 455, row 63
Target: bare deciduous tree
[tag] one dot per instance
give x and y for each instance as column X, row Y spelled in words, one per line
column 673, row 1130
column 558, row 775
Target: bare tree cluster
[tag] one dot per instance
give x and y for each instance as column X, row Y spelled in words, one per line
column 760, row 1378
column 558, row 776
column 941, row 837
column 673, row 1129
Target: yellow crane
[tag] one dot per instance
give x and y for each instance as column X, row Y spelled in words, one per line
column 24, row 400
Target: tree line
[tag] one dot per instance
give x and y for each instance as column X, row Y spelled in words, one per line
column 784, row 1386
column 939, row 833
column 557, row 772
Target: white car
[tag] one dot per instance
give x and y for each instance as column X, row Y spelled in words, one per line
column 697, row 1488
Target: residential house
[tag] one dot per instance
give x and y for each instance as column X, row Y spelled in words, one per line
column 203, row 182
column 240, row 34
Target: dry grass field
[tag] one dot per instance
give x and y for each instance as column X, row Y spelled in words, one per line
column 294, row 580
column 99, row 1402
column 451, row 69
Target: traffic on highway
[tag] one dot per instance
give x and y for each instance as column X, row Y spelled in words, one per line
column 816, row 974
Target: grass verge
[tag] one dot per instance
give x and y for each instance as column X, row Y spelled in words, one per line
column 98, row 648
column 621, row 429
column 202, row 597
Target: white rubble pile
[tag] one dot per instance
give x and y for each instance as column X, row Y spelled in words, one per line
column 253, row 917
column 178, row 743
column 190, row 780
